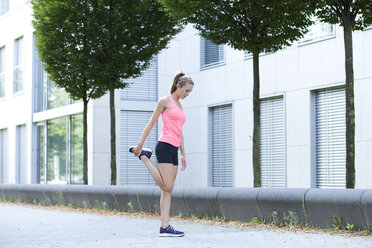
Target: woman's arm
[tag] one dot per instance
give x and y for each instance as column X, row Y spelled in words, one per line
column 183, row 154
column 159, row 109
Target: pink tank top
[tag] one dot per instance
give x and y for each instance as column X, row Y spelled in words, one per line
column 173, row 120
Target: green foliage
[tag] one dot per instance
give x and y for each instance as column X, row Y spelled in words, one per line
column 255, row 220
column 130, row 207
column 304, row 211
column 194, row 217
column 99, row 41
column 291, row 220
column 349, row 226
column 337, row 223
column 354, row 13
column 252, row 25
column 62, row 198
column 275, row 218
column 62, row 39
column 139, row 202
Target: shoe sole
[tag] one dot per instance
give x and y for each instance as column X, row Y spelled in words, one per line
column 144, row 149
column 171, row 235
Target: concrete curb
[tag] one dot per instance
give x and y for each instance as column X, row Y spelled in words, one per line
column 201, row 202
column 287, row 203
column 315, row 207
column 366, row 202
column 239, row 204
column 324, row 204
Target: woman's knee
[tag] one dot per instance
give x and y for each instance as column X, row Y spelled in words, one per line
column 167, row 188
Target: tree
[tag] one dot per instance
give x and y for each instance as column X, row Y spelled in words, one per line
column 63, row 42
column 351, row 15
column 258, row 26
column 117, row 39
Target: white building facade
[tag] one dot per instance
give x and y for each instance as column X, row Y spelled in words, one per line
column 302, row 113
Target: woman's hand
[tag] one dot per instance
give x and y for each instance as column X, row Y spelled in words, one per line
column 137, row 150
column 183, row 161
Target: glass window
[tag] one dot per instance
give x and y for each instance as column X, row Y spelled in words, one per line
column 2, row 72
column 4, row 7
column 41, row 152
column 18, row 65
column 48, row 94
column 319, row 30
column 77, row 150
column 56, row 150
column 211, row 54
column 56, row 97
column 63, row 148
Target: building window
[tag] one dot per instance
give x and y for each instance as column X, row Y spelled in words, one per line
column 60, row 153
column 132, row 123
column 221, row 152
column 318, row 31
column 47, row 94
column 272, row 142
column 4, row 7
column 4, row 176
column 2, row 72
column 18, row 65
column 211, row 54
column 330, row 140
column 143, row 88
column 21, row 156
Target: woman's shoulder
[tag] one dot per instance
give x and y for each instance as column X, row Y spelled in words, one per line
column 164, row 98
column 165, row 102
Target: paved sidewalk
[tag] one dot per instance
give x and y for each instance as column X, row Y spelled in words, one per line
column 26, row 227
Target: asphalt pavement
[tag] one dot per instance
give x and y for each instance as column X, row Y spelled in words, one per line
column 24, row 226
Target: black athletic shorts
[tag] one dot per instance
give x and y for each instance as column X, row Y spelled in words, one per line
column 166, row 153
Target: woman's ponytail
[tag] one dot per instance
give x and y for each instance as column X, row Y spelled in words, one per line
column 175, row 81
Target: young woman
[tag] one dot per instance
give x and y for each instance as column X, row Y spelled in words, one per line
column 166, row 149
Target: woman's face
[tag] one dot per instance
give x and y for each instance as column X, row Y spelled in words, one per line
column 184, row 91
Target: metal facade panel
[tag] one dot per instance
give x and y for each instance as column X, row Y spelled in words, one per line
column 222, row 147
column 143, row 88
column 330, row 138
column 272, row 143
column 132, row 124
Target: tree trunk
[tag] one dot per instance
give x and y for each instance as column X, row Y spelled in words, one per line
column 350, row 110
column 256, row 121
column 113, row 136
column 85, row 142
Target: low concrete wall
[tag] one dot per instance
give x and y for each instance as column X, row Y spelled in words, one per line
column 315, row 207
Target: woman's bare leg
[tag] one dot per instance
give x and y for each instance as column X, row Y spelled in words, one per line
column 154, row 171
column 169, row 173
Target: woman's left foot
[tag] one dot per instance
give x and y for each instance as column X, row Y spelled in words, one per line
column 170, row 232
column 145, row 152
